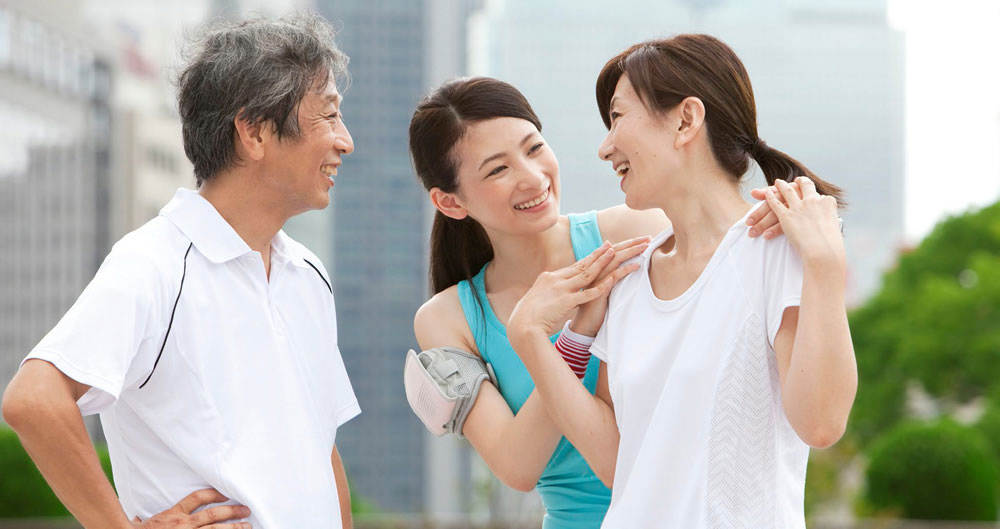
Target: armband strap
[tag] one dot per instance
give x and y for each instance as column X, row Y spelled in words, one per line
column 442, row 385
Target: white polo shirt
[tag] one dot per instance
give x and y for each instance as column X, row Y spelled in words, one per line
column 208, row 374
column 705, row 442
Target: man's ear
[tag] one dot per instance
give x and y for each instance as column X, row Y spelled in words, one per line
column 691, row 112
column 448, row 203
column 251, row 137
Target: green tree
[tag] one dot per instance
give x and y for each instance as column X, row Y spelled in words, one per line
column 940, row 471
column 936, row 320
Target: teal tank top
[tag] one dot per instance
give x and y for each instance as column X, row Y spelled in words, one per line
column 573, row 495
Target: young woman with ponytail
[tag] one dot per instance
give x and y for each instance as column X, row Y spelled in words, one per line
column 727, row 357
column 476, row 145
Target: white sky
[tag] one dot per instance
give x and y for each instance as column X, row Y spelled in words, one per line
column 952, row 107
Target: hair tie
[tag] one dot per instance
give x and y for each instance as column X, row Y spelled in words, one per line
column 757, row 149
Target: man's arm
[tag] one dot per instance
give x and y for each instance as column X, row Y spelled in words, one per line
column 343, row 491
column 40, row 406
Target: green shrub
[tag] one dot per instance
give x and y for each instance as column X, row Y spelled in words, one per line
column 23, row 491
column 939, row 471
column 989, row 426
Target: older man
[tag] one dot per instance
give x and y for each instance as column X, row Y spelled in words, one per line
column 207, row 340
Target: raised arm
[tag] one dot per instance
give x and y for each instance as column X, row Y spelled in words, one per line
column 515, row 447
column 588, row 421
column 816, row 362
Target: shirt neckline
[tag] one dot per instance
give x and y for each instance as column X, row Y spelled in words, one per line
column 737, row 229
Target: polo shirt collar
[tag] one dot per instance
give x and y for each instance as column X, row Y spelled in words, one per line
column 200, row 222
column 283, row 246
column 215, row 238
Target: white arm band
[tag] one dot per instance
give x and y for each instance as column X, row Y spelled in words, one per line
column 442, row 385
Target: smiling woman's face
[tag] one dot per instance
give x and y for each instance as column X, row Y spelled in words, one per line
column 508, row 177
column 639, row 146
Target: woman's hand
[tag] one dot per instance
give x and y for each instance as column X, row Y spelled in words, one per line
column 763, row 221
column 590, row 317
column 555, row 295
column 809, row 221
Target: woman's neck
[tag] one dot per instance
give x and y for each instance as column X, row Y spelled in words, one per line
column 519, row 259
column 701, row 211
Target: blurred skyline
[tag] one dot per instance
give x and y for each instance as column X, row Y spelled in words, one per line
column 952, row 149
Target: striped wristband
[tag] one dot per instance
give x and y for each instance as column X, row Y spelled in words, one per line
column 575, row 350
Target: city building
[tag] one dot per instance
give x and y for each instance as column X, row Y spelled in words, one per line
column 55, row 168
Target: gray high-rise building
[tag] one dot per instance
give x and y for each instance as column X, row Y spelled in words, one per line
column 828, row 80
column 380, row 234
column 55, row 169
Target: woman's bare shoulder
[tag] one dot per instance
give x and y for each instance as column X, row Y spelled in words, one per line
column 440, row 321
column 619, row 223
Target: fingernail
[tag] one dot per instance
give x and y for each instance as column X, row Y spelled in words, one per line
column 753, row 233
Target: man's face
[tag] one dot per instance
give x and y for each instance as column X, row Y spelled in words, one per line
column 302, row 169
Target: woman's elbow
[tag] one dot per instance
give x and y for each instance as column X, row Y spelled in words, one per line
column 823, row 435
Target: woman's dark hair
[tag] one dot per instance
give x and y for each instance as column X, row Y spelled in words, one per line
column 666, row 71
column 459, row 248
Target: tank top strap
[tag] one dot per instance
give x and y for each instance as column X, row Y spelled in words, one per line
column 584, row 233
column 472, row 296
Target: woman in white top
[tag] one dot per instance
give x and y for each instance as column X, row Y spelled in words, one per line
column 726, row 356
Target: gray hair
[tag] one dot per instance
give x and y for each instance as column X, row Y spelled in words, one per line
column 258, row 70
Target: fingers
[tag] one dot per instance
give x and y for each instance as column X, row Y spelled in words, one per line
column 603, row 288
column 625, row 254
column 242, row 525
column 587, row 275
column 807, row 186
column 761, row 212
column 631, row 243
column 199, row 498
column 629, row 249
column 586, row 262
column 222, row 513
column 790, row 194
column 761, row 226
column 773, row 232
column 779, row 209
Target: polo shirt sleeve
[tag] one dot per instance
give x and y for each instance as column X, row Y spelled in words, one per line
column 347, row 402
column 97, row 340
column 782, row 282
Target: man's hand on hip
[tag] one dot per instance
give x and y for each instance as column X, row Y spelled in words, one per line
column 182, row 515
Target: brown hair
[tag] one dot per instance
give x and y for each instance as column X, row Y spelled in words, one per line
column 459, row 248
column 666, row 71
